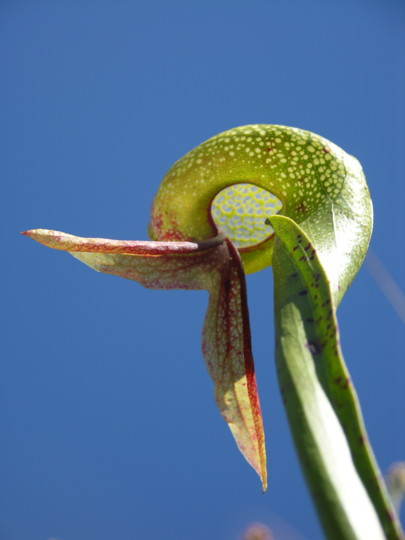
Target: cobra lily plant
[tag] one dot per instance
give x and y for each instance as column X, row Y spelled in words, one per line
column 243, row 200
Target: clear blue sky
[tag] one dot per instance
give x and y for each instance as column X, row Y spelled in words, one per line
column 108, row 423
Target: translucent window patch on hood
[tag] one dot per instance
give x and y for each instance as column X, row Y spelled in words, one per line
column 240, row 211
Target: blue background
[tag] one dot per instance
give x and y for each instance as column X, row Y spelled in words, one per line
column 108, row 424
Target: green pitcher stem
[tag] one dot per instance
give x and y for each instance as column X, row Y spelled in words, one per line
column 320, row 401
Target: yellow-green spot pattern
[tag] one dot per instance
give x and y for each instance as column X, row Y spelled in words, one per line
column 241, row 210
column 304, row 171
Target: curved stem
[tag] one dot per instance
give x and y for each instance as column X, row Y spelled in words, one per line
column 320, row 401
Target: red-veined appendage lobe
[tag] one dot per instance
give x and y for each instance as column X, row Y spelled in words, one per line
column 213, row 265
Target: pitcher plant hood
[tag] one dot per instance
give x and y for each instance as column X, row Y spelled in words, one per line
column 209, row 227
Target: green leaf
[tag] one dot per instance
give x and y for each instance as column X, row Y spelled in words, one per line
column 319, row 398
